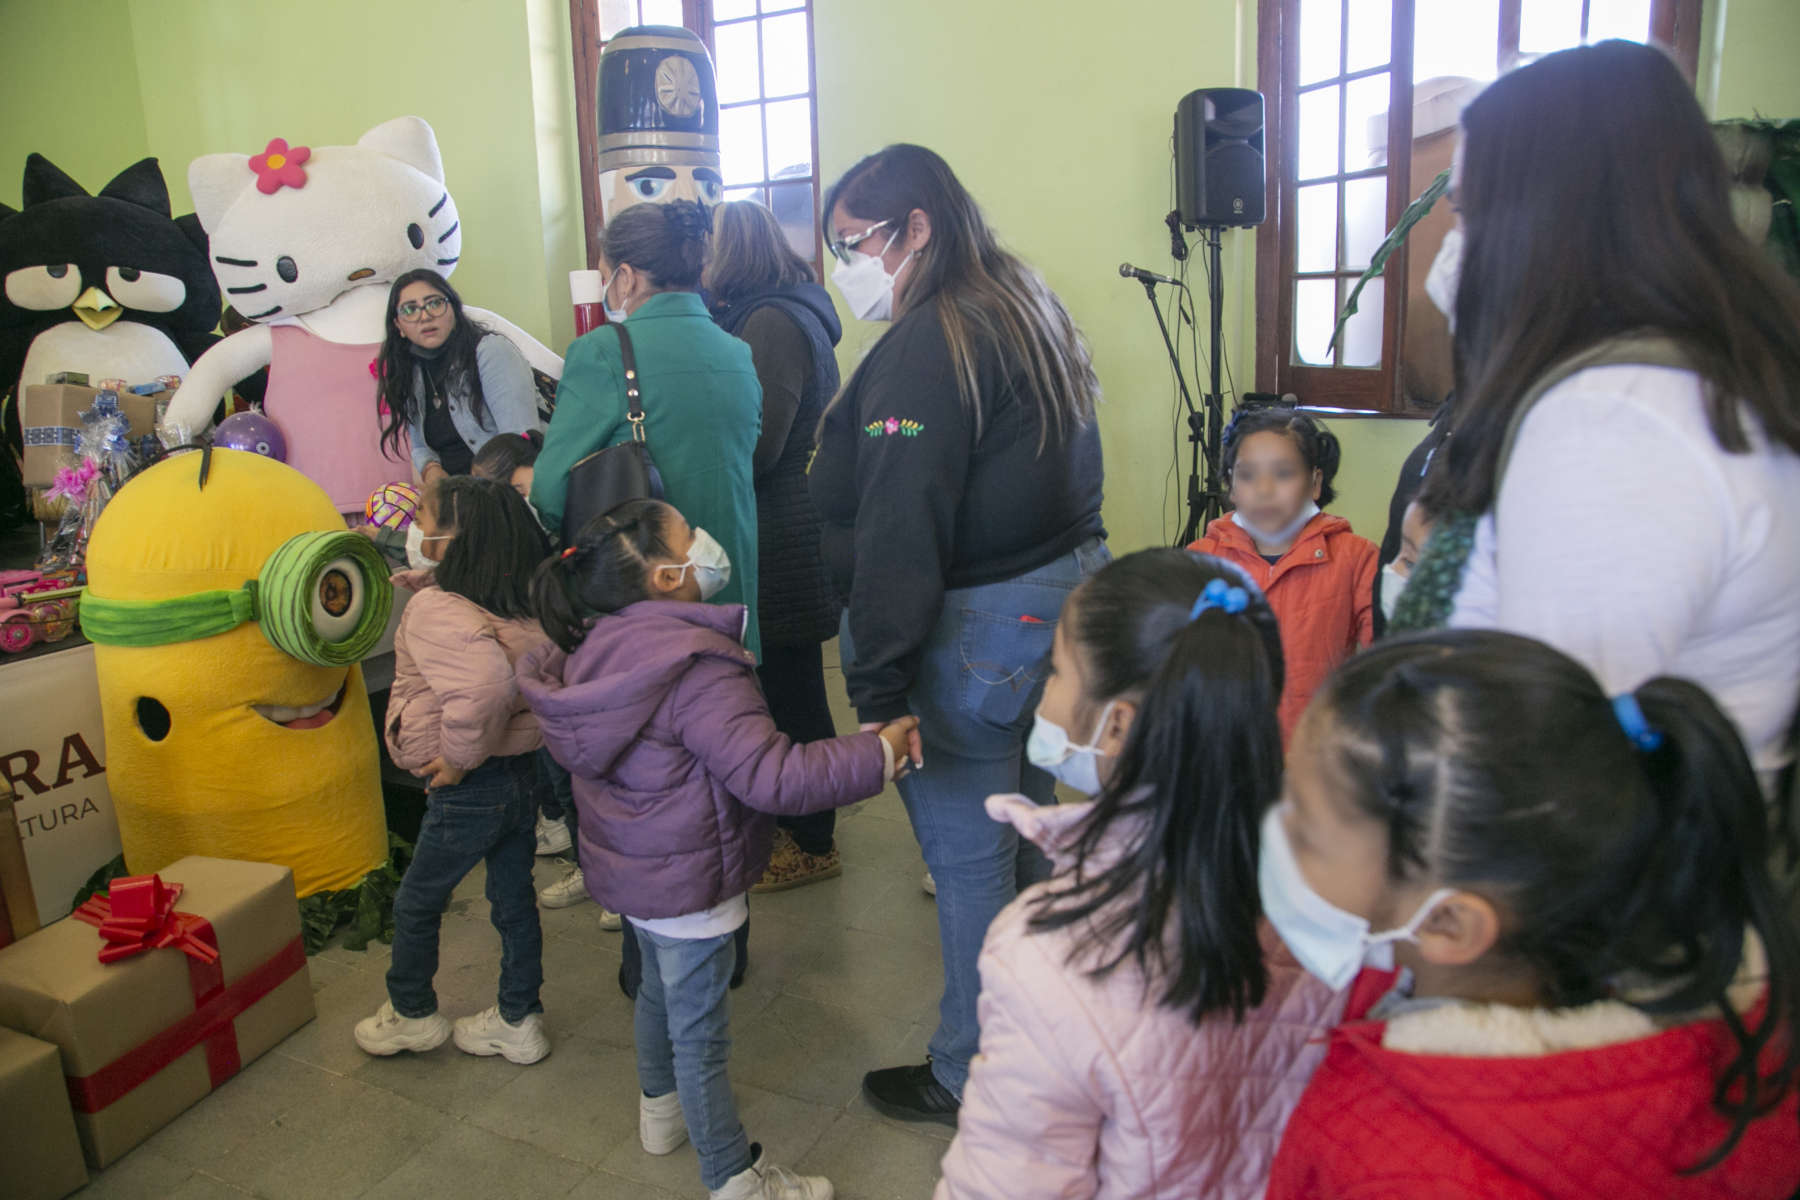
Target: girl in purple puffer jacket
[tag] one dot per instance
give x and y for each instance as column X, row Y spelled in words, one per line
column 650, row 699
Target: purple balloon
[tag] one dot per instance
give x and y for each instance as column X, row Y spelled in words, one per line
column 253, row 432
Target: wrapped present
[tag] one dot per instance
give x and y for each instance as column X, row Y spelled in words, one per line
column 51, row 416
column 160, row 991
column 38, row 1143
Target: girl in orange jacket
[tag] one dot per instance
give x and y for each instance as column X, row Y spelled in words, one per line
column 1319, row 577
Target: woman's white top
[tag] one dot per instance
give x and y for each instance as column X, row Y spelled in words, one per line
column 1626, row 537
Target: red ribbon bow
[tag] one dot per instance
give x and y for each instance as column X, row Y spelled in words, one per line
column 138, row 915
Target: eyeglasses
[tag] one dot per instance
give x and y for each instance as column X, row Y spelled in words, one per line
column 414, row 311
column 840, row 250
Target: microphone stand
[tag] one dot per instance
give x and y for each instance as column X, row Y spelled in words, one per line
column 1196, row 421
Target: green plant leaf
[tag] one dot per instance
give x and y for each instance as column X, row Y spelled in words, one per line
column 101, row 879
column 1415, row 212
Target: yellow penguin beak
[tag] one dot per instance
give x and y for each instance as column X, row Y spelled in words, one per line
column 96, row 309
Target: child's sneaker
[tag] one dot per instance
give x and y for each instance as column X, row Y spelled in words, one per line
column 570, row 889
column 387, row 1032
column 552, row 836
column 490, row 1033
column 661, row 1127
column 761, row 1181
column 791, row 867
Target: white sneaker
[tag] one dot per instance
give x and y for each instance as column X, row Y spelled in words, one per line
column 488, row 1032
column 661, row 1127
column 570, row 889
column 761, row 1181
column 611, row 921
column 552, row 836
column 387, row 1032
column 929, row 884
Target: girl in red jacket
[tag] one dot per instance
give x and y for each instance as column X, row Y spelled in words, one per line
column 1319, row 577
column 1597, row 985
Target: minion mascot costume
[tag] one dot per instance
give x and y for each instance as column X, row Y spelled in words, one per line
column 230, row 608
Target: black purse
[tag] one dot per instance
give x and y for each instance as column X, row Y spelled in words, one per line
column 608, row 478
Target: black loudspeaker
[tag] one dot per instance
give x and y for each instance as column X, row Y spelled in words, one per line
column 1219, row 157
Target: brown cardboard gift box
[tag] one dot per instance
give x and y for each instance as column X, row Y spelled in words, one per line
column 18, row 905
column 38, row 1146
column 51, row 416
column 147, row 1036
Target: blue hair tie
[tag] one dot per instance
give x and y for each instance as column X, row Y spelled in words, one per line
column 1219, row 594
column 1635, row 724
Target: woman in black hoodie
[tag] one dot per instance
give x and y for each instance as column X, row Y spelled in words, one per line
column 761, row 291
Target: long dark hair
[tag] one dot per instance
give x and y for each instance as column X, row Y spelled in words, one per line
column 606, row 569
column 497, row 547
column 1200, row 766
column 1318, row 446
column 1577, row 230
column 505, row 453
column 667, row 242
column 394, row 365
column 1498, row 765
column 982, row 292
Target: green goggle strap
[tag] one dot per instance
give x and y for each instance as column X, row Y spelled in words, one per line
column 280, row 600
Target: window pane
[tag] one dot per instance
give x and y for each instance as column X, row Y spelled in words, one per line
column 730, row 10
column 616, row 15
column 1365, row 122
column 1315, row 233
column 1362, row 333
column 1315, row 308
column 1319, row 21
column 1546, row 25
column 779, row 6
column 792, row 204
column 1456, row 37
column 784, row 55
column 735, row 62
column 754, row 193
column 1319, row 132
column 1369, row 37
column 741, row 144
column 1365, row 220
column 1628, row 19
column 790, row 138
column 661, row 12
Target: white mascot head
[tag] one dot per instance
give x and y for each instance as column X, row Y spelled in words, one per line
column 295, row 227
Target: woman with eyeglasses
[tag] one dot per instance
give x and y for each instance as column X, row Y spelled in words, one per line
column 958, row 477
column 444, row 381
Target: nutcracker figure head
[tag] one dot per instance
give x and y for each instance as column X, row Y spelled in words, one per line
column 659, row 120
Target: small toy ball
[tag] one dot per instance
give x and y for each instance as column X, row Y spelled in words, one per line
column 253, row 432
column 392, row 505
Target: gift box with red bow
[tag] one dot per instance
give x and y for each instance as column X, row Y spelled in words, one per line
column 161, row 991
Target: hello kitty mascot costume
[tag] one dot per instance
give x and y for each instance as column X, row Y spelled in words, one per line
column 305, row 242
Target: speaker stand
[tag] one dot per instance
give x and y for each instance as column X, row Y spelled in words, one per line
column 1206, row 428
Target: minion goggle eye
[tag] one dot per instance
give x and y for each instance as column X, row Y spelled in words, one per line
column 321, row 598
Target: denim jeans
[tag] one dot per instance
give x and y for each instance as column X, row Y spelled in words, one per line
column 980, row 675
column 555, row 794
column 489, row 815
column 683, row 1032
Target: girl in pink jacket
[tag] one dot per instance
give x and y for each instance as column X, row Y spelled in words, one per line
column 455, row 716
column 1143, row 1032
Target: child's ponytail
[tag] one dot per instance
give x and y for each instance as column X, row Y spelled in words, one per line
column 606, row 569
column 1706, row 883
column 1201, row 764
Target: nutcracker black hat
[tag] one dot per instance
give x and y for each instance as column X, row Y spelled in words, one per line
column 658, row 101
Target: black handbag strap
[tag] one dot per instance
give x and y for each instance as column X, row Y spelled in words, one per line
column 634, row 407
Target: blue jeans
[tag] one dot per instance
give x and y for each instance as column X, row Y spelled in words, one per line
column 683, row 1035
column 980, row 676
column 489, row 815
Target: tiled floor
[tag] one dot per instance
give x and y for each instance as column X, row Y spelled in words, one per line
column 844, row 976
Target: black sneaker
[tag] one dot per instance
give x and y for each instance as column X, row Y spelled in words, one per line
column 911, row 1094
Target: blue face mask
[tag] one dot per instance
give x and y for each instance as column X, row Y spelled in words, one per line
column 1049, row 749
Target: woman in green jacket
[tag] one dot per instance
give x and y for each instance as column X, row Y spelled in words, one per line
column 702, row 402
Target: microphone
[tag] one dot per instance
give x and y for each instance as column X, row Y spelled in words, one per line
column 1127, row 271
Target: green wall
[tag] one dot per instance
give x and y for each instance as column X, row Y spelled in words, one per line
column 1056, row 118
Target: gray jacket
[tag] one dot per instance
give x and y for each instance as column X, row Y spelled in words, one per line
column 506, row 389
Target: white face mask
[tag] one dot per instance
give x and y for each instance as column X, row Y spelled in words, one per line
column 415, row 548
column 615, row 315
column 1050, row 750
column 1445, row 276
column 1330, row 943
column 1287, row 533
column 867, row 287
column 1392, row 584
column 710, row 564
